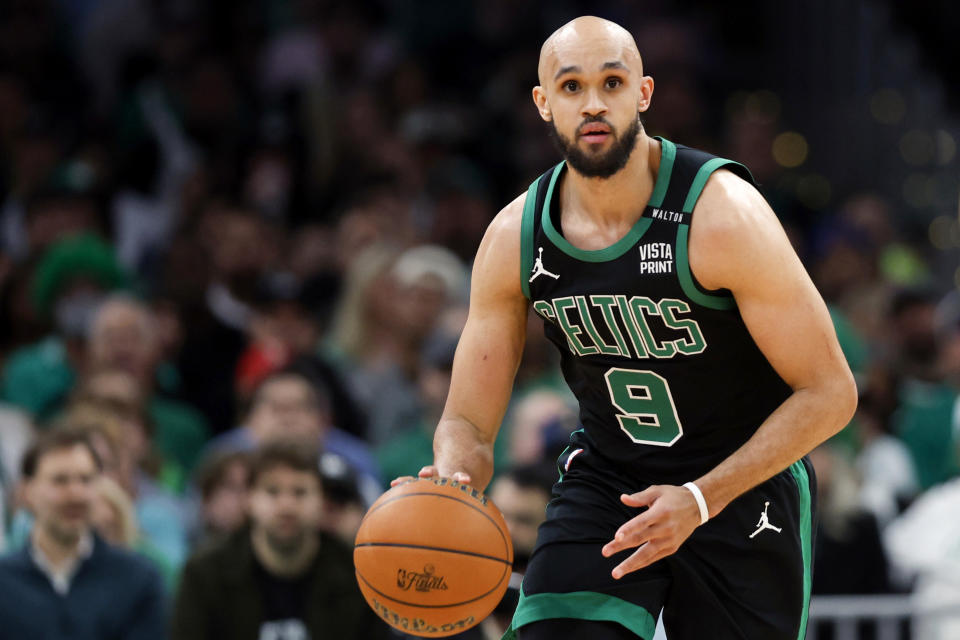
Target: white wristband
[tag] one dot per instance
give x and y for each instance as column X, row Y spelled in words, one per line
column 701, row 503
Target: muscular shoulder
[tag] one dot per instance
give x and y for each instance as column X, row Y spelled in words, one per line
column 503, row 234
column 497, row 265
column 732, row 224
column 728, row 205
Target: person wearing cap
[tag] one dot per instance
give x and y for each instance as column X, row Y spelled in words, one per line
column 71, row 280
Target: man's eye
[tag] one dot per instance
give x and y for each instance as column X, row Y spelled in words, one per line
column 571, row 86
column 613, row 83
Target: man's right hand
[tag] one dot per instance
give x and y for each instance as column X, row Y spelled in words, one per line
column 430, row 471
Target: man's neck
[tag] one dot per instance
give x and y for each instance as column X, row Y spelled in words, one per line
column 285, row 565
column 603, row 199
column 58, row 552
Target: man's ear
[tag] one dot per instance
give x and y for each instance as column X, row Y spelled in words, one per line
column 540, row 99
column 646, row 94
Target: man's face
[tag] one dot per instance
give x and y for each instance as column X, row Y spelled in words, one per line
column 285, row 504
column 286, row 408
column 122, row 338
column 62, row 491
column 592, row 90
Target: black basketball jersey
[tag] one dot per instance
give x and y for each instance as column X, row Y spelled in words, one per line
column 668, row 378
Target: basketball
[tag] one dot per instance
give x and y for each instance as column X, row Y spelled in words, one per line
column 433, row 557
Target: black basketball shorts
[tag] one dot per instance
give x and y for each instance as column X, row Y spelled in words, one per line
column 744, row 575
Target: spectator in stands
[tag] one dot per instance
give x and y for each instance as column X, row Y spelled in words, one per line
column 412, row 447
column 16, row 433
column 539, row 426
column 285, row 333
column 390, row 304
column 926, row 402
column 66, row 205
column 120, row 392
column 115, row 520
column 848, row 554
column 71, row 280
column 222, row 480
column 923, row 549
column 123, row 443
column 287, row 406
column 521, row 493
column 343, row 504
column 240, row 247
column 68, row 582
column 124, row 337
column 281, row 578
column 888, row 478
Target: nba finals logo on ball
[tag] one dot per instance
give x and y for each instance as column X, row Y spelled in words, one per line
column 433, row 557
column 420, row 581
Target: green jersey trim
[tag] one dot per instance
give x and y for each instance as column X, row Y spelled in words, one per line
column 700, row 180
column 799, row 472
column 617, row 249
column 581, row 605
column 668, row 151
column 720, row 303
column 526, row 238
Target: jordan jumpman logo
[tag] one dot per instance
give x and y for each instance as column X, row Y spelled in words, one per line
column 764, row 522
column 538, row 269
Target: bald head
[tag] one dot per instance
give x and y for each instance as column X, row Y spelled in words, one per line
column 592, row 91
column 565, row 47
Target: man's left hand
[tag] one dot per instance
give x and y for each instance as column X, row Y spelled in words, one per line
column 671, row 516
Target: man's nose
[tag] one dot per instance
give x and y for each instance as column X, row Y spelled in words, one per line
column 79, row 490
column 594, row 104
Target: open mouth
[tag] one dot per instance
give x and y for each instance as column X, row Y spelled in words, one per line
column 595, row 132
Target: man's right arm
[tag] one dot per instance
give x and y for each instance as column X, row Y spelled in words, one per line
column 487, row 357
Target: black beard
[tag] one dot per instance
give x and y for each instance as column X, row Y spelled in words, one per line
column 602, row 166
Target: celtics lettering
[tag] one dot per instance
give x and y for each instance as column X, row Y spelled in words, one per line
column 615, row 325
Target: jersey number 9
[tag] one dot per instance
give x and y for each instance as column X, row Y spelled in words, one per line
column 646, row 410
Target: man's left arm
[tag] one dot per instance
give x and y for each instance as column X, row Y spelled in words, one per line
column 738, row 244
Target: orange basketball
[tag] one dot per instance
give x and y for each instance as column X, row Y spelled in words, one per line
column 433, row 557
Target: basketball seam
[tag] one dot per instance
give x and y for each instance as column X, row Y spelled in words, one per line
column 429, row 548
column 440, row 495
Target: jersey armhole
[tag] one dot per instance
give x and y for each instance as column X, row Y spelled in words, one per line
column 526, row 237
column 720, row 299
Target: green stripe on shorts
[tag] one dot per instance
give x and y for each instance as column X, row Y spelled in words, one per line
column 799, row 472
column 582, row 605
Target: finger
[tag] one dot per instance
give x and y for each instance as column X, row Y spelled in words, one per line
column 646, row 555
column 427, row 472
column 400, row 480
column 642, row 499
column 462, row 477
column 632, row 534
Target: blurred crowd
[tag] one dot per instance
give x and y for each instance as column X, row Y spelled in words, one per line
column 226, row 227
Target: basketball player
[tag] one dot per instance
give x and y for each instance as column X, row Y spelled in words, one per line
column 702, row 356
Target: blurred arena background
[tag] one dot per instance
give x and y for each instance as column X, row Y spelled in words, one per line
column 196, row 195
